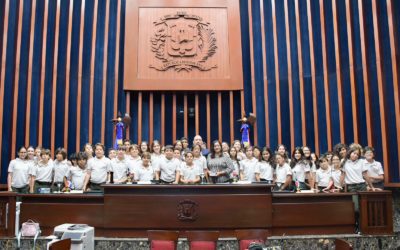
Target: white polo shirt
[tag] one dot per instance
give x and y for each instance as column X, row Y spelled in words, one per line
column 248, row 168
column 60, row 169
column 144, row 173
column 265, row 170
column 201, row 163
column 120, row 168
column 134, row 163
column 375, row 168
column 189, row 172
column 281, row 172
column 354, row 171
column 99, row 169
column 20, row 172
column 77, row 176
column 299, row 171
column 336, row 174
column 168, row 169
column 323, row 177
column 43, row 173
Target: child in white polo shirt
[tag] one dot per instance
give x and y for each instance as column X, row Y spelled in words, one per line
column 76, row 174
column 248, row 166
column 42, row 172
column 119, row 166
column 375, row 169
column 98, row 169
column 61, row 167
column 168, row 167
column 144, row 172
column 323, row 176
column 189, row 173
column 355, row 172
column 264, row 168
column 283, row 173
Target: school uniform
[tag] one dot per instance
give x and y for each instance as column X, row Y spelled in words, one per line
column 281, row 173
column 299, row 173
column 134, row 163
column 375, row 169
column 77, row 177
column 265, row 170
column 19, row 170
column 200, row 163
column 189, row 173
column 336, row 175
column 43, row 174
column 120, row 169
column 60, row 169
column 155, row 159
column 98, row 169
column 143, row 173
column 168, row 169
column 354, row 175
column 323, row 177
column 248, row 167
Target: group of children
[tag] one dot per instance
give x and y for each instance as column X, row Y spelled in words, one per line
column 350, row 168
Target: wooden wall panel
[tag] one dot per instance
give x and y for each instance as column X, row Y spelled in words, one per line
column 16, row 77
column 29, row 88
column 261, row 52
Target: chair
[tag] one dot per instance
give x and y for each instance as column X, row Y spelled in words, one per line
column 247, row 236
column 162, row 239
column 64, row 244
column 342, row 245
column 202, row 240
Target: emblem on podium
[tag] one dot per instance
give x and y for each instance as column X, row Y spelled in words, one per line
column 187, row 210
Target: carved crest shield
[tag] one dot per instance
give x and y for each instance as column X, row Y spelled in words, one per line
column 183, row 42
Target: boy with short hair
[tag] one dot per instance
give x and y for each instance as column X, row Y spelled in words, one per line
column 168, row 167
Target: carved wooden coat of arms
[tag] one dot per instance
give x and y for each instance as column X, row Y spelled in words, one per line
column 182, row 42
column 187, row 210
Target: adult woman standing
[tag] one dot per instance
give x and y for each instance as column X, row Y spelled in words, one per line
column 219, row 165
column 18, row 173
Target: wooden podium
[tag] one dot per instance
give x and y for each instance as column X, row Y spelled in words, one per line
column 188, row 207
column 131, row 210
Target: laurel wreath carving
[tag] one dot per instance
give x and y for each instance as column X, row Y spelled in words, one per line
column 207, row 43
column 158, row 44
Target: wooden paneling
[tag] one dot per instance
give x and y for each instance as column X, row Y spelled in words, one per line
column 3, row 67
column 350, row 43
column 92, row 65
column 326, row 76
column 381, row 83
column 16, row 77
column 277, row 82
column 313, row 76
column 42, row 73
column 79, row 90
column 338, row 69
column 396, row 74
column 301, row 73
column 253, row 80
column 104, row 79
column 147, row 71
column 265, row 78
column 365, row 72
column 68, row 73
column 376, row 214
column 290, row 81
column 30, row 72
